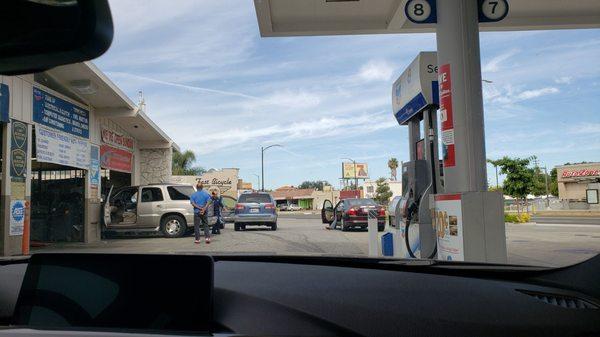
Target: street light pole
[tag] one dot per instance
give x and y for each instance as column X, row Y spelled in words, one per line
column 262, row 163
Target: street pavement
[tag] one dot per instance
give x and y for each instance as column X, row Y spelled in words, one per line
column 566, row 220
column 531, row 244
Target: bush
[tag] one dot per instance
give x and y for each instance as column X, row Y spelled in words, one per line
column 525, row 217
column 516, row 218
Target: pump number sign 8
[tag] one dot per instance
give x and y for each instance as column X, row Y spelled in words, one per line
column 420, row 11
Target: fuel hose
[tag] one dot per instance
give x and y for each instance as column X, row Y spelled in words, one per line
column 411, row 210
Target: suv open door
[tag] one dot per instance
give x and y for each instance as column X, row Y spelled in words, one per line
column 106, row 208
column 327, row 212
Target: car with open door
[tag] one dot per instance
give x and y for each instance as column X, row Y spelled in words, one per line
column 352, row 213
column 163, row 208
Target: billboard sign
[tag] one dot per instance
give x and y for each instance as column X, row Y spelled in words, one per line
column 59, row 114
column 116, row 159
column 348, row 171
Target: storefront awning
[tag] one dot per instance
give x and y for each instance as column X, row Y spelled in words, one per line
column 93, row 87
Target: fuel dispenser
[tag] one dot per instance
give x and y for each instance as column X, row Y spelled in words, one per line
column 415, row 101
column 439, row 219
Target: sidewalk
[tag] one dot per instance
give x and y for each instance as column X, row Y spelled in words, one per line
column 567, row 213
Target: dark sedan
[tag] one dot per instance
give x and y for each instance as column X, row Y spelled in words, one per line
column 352, row 213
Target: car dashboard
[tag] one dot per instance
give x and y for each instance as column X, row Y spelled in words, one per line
column 318, row 296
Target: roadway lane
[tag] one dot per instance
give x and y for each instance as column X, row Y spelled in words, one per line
column 532, row 244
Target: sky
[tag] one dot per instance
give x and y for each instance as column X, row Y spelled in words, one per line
column 217, row 88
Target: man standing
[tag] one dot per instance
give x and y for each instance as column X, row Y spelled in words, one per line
column 217, row 202
column 200, row 200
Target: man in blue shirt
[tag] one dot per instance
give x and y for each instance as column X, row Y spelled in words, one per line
column 200, row 200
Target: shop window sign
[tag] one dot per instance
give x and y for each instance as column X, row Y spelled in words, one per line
column 18, row 154
column 592, row 196
column 59, row 114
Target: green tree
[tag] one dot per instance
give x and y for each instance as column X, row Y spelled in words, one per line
column 382, row 192
column 183, row 162
column 519, row 179
column 393, row 165
column 317, row 184
column 539, row 182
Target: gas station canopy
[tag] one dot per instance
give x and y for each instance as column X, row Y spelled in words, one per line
column 338, row 17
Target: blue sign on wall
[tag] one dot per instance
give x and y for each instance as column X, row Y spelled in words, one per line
column 4, row 101
column 59, row 114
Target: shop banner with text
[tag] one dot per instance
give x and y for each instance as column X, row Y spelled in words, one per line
column 61, row 148
column 446, row 117
column 116, row 139
column 94, row 172
column 116, row 159
column 59, row 114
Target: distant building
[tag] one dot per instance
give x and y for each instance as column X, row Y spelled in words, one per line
column 370, row 188
column 579, row 185
column 307, row 198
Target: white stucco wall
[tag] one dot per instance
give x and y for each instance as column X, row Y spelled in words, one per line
column 155, row 165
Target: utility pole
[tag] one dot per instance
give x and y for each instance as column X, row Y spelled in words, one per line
column 262, row 163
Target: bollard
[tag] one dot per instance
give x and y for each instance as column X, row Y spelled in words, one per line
column 373, row 242
column 25, row 238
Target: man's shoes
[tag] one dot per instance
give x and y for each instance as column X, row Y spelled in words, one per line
column 196, row 241
column 207, row 240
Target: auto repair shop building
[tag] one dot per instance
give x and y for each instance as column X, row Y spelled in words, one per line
column 68, row 134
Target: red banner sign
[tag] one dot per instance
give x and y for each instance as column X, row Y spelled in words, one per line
column 447, row 126
column 580, row 173
column 115, row 159
column 116, row 139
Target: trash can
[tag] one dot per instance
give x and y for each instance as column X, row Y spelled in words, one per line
column 387, row 244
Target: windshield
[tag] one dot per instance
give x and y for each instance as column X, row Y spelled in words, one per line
column 208, row 108
column 361, row 202
column 254, row 198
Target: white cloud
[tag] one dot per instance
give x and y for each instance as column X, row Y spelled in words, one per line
column 493, row 65
column 585, row 128
column 529, row 94
column 563, row 80
column 325, row 127
column 376, row 70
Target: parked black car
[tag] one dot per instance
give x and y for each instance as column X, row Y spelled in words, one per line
column 351, row 213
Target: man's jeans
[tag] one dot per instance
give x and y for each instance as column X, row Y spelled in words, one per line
column 201, row 218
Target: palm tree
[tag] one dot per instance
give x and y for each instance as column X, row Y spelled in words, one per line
column 182, row 164
column 495, row 163
column 393, row 165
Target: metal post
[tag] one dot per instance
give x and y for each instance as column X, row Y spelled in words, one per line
column 457, row 34
column 355, row 176
column 497, row 184
column 262, row 167
column 547, row 191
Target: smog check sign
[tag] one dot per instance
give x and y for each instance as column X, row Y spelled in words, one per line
column 17, row 217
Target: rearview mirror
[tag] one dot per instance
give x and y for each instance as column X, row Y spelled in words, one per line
column 36, row 35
